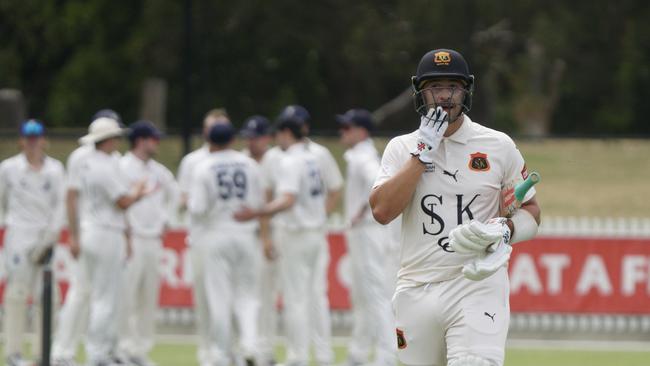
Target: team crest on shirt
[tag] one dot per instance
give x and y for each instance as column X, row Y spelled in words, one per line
column 479, row 162
column 401, row 341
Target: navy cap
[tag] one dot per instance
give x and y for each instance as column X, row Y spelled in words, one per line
column 256, row 126
column 143, row 129
column 294, row 113
column 32, row 128
column 221, row 133
column 107, row 113
column 357, row 117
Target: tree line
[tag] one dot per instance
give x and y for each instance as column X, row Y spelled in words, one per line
column 559, row 68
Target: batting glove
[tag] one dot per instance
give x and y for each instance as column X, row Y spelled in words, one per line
column 477, row 237
column 432, row 128
column 482, row 268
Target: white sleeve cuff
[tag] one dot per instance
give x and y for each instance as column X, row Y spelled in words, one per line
column 525, row 226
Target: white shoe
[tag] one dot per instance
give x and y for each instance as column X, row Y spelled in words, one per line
column 63, row 362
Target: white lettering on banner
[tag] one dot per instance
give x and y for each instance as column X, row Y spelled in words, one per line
column 635, row 269
column 594, row 275
column 554, row 264
column 167, row 267
column 187, row 267
column 344, row 271
column 524, row 274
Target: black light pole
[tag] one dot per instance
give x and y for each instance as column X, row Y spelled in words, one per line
column 187, row 79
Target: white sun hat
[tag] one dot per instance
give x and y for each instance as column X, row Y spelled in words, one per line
column 102, row 129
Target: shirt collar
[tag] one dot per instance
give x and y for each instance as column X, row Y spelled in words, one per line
column 298, row 146
column 463, row 134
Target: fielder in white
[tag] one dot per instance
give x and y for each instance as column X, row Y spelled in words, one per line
column 147, row 221
column 257, row 132
column 102, row 259
column 299, row 235
column 221, row 185
column 73, row 318
column 445, row 179
column 31, row 194
column 321, row 331
column 184, row 178
column 368, row 247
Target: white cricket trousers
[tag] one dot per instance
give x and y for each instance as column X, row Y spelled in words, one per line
column 142, row 292
column 230, row 268
column 197, row 255
column 269, row 289
column 24, row 280
column 370, row 292
column 103, row 263
column 73, row 317
column 303, row 260
column 443, row 321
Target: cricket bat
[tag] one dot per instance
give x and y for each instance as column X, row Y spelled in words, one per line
column 512, row 195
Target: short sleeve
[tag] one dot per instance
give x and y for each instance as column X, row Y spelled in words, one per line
column 185, row 174
column 390, row 163
column 331, row 172
column 198, row 200
column 73, row 180
column 288, row 176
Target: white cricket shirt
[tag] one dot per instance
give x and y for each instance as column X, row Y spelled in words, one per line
column 32, row 198
column 463, row 183
column 221, row 185
column 148, row 216
column 186, row 168
column 300, row 174
column 76, row 166
column 362, row 166
column 330, row 171
column 102, row 184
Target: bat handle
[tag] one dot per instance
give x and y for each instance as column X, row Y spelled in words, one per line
column 523, row 188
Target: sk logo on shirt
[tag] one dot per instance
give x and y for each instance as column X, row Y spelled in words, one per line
column 421, row 146
column 479, row 162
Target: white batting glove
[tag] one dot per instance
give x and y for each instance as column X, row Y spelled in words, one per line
column 482, row 268
column 476, row 237
column 432, row 128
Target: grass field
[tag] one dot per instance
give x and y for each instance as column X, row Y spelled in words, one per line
column 183, row 354
column 604, row 178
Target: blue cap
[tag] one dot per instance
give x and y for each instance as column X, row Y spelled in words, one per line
column 107, row 113
column 256, row 126
column 143, row 129
column 294, row 113
column 357, row 117
column 32, row 128
column 221, row 133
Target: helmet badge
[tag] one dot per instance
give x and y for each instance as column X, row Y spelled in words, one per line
column 442, row 58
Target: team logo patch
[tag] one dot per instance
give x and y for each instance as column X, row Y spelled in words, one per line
column 401, row 341
column 479, row 162
column 441, row 58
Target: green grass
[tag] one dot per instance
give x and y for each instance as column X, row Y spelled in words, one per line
column 579, row 177
column 169, row 354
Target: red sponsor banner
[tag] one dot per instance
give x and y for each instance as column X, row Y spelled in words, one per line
column 566, row 275
column 581, row 275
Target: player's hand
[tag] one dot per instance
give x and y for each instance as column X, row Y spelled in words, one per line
column 432, row 129
column 481, row 268
column 477, row 237
column 245, row 214
column 75, row 248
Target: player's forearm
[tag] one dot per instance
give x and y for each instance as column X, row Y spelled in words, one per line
column 332, row 200
column 279, row 204
column 71, row 212
column 391, row 198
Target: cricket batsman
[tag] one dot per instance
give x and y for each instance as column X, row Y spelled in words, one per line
column 452, row 298
column 32, row 198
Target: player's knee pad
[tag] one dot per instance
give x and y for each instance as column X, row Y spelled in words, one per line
column 471, row 360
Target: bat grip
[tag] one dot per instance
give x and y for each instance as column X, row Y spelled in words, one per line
column 523, row 188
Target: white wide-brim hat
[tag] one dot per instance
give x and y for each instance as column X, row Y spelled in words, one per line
column 101, row 129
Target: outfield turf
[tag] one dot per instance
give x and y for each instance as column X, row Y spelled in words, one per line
column 184, row 354
column 580, row 177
